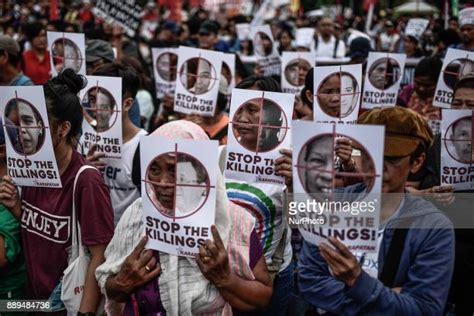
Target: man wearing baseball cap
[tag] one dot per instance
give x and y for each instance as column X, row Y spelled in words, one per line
column 416, row 241
column 98, row 53
column 10, row 57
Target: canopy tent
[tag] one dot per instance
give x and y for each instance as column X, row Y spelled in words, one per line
column 417, row 7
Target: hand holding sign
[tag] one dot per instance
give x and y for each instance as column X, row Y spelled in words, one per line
column 283, row 167
column 343, row 149
column 94, row 158
column 9, row 195
column 342, row 262
column 213, row 261
column 139, row 268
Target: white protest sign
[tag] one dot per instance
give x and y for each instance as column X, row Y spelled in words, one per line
column 456, row 64
column 457, row 151
column 178, row 193
column 67, row 50
column 30, row 154
column 164, row 68
column 243, row 31
column 320, row 209
column 304, row 37
column 337, row 93
column 416, row 27
column 101, row 103
column 260, row 125
column 382, row 80
column 197, row 84
column 265, row 50
column 228, row 71
column 294, row 66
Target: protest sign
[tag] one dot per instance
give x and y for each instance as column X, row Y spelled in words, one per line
column 409, row 72
column 178, row 193
column 294, row 66
column 457, row 151
column 304, row 37
column 197, row 84
column 67, row 50
column 319, row 208
column 337, row 93
column 30, row 154
column 456, row 64
column 416, row 27
column 259, row 127
column 382, row 80
column 101, row 103
column 243, row 31
column 228, row 71
column 265, row 50
column 127, row 14
column 164, row 68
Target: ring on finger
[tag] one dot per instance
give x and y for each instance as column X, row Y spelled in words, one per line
column 147, row 268
column 205, row 259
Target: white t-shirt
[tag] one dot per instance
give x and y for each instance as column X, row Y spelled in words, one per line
column 145, row 102
column 327, row 49
column 118, row 177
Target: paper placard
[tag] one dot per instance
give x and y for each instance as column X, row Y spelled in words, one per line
column 266, row 50
column 314, row 184
column 294, row 66
column 178, row 193
column 416, row 27
column 304, row 37
column 165, row 62
column 30, row 155
column 260, row 125
column 67, row 50
column 101, row 103
column 228, row 70
column 337, row 93
column 382, row 80
column 457, row 151
column 197, row 83
column 456, row 64
column 243, row 31
column 127, row 14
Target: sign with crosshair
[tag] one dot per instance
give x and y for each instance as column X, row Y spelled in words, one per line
column 457, row 151
column 294, row 67
column 228, row 71
column 259, row 127
column 101, row 103
column 456, row 64
column 30, row 154
column 165, row 62
column 320, row 179
column 178, row 193
column 265, row 50
column 382, row 80
column 67, row 50
column 197, row 84
column 337, row 93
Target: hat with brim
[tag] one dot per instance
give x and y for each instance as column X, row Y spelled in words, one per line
column 99, row 49
column 399, row 146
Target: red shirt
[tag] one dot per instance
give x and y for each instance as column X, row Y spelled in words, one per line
column 37, row 70
column 46, row 224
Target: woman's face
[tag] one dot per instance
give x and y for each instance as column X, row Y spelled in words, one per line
column 40, row 42
column 246, row 123
column 162, row 174
column 319, row 166
column 410, row 47
column 329, row 95
column 285, row 40
column 30, row 129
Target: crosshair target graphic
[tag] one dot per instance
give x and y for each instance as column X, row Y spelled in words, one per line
column 166, row 66
column 198, row 75
column 66, row 54
column 177, row 184
column 259, row 125
column 26, row 129
column 459, row 138
column 457, row 69
column 295, row 71
column 316, row 166
column 338, row 94
column 100, row 108
column 384, row 73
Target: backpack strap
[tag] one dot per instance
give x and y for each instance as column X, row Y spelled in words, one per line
column 334, row 54
column 392, row 260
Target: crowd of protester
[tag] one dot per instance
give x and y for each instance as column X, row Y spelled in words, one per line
column 429, row 274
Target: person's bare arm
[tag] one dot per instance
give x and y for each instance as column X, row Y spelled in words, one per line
column 91, row 295
column 3, row 253
column 10, row 197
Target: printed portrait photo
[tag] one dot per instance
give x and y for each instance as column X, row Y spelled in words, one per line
column 198, row 75
column 384, row 73
column 66, row 54
column 338, row 94
column 295, row 71
column 262, row 44
column 457, row 69
column 100, row 109
column 458, row 140
column 166, row 65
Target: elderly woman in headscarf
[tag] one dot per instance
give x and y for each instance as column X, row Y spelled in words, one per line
column 229, row 275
